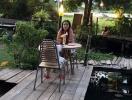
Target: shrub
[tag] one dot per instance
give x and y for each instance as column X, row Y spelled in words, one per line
column 24, row 45
column 82, row 34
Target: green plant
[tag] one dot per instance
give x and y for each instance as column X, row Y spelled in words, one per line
column 52, row 28
column 82, row 33
column 124, row 26
column 80, row 54
column 6, row 58
column 25, row 43
column 94, row 55
column 41, row 15
column 21, row 10
column 100, row 56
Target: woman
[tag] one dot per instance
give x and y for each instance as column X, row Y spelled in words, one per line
column 65, row 33
column 106, row 31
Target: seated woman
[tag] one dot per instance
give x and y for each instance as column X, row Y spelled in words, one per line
column 65, row 35
column 105, row 31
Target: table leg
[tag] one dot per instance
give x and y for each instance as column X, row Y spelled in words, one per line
column 72, row 66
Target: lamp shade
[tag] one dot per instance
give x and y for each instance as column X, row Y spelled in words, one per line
column 101, row 4
column 61, row 10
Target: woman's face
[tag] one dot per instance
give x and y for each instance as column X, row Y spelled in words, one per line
column 65, row 26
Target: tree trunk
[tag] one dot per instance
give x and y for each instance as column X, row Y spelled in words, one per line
column 87, row 11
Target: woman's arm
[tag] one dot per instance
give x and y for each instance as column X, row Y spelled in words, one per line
column 58, row 38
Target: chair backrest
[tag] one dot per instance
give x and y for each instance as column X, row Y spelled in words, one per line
column 48, row 54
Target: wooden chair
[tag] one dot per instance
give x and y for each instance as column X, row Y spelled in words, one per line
column 49, row 59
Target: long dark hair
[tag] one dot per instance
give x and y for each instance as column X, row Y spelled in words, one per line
column 67, row 21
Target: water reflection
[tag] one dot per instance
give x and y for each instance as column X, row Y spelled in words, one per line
column 109, row 86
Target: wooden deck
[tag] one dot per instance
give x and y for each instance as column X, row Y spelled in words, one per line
column 74, row 89
column 120, row 64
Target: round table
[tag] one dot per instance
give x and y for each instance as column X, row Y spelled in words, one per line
column 70, row 47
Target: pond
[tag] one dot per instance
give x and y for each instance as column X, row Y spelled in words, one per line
column 109, row 86
column 5, row 87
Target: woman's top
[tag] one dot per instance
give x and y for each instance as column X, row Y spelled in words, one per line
column 69, row 37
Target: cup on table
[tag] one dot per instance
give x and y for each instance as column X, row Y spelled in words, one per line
column 64, row 38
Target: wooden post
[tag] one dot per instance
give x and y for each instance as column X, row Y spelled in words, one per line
column 96, row 26
column 77, row 20
column 60, row 20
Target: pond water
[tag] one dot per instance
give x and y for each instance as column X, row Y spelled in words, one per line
column 109, row 86
column 5, row 87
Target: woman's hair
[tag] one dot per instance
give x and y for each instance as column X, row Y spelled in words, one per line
column 106, row 28
column 67, row 21
column 68, row 30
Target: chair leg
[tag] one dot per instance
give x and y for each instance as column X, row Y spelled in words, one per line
column 35, row 79
column 76, row 61
column 67, row 66
column 41, row 75
column 60, row 80
column 64, row 76
column 72, row 66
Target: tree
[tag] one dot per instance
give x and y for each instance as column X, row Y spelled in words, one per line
column 5, row 7
column 87, row 11
column 21, row 10
column 108, row 4
column 72, row 5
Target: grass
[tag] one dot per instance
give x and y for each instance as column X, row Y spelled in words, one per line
column 100, row 56
column 94, row 55
column 6, row 59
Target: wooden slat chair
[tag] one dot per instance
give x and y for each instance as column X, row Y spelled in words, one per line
column 49, row 59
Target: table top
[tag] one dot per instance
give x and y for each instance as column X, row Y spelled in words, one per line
column 72, row 46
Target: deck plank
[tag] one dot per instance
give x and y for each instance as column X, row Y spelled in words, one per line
column 28, row 90
column 40, row 89
column 73, row 84
column 57, row 95
column 18, row 88
column 10, row 74
column 19, row 77
column 4, row 71
column 49, row 91
column 83, row 85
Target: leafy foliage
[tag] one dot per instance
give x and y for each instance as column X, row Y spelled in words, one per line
column 41, row 15
column 25, row 43
column 126, row 4
column 21, row 10
column 124, row 26
column 5, row 6
column 52, row 28
column 82, row 34
column 94, row 55
column 100, row 56
column 71, row 5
